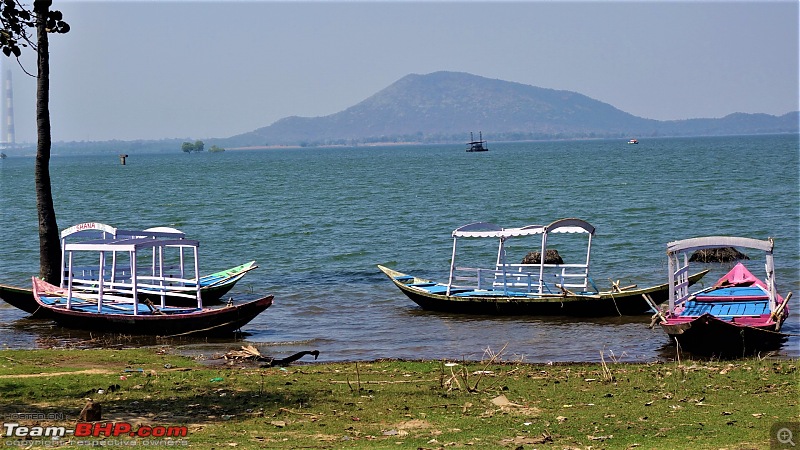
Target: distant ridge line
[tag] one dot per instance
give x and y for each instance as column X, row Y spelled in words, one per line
column 441, row 107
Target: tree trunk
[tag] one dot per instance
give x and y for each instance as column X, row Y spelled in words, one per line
column 49, row 243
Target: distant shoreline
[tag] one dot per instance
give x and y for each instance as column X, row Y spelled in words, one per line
column 376, row 144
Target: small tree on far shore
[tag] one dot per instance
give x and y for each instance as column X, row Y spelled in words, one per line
column 196, row 146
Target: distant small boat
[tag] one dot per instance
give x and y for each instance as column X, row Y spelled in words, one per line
column 3, row 155
column 477, row 146
column 633, row 141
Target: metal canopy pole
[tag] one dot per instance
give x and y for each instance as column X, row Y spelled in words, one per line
column 134, row 284
column 770, row 268
column 197, row 277
column 161, row 276
column 452, row 265
column 671, row 269
column 501, row 254
column 69, row 283
column 100, row 281
column 541, row 261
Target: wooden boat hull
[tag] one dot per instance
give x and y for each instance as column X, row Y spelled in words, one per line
column 603, row 304
column 220, row 320
column 709, row 336
column 22, row 298
column 19, row 297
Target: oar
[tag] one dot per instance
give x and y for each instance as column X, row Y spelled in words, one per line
column 654, row 307
column 615, row 287
column 779, row 310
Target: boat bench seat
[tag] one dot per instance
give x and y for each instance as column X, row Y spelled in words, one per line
column 493, row 293
column 726, row 309
column 434, row 288
column 404, row 278
column 733, row 294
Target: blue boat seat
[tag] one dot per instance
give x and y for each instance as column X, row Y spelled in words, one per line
column 735, row 293
column 725, row 309
column 114, row 308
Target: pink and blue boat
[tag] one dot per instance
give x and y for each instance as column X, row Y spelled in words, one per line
column 739, row 315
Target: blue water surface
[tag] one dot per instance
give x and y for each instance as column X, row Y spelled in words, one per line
column 319, row 220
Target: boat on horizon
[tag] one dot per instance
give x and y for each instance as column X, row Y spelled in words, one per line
column 477, row 146
column 740, row 315
column 533, row 287
column 633, row 141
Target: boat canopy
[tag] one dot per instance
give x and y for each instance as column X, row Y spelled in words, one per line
column 128, row 244
column 478, row 229
column 96, row 230
column 700, row 243
column 490, row 230
column 86, row 228
column 102, row 230
column 570, row 226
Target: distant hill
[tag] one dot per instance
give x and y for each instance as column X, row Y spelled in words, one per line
column 446, row 106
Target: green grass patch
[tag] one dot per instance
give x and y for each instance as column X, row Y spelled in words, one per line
column 410, row 404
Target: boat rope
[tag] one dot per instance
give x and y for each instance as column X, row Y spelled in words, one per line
column 613, row 299
column 33, row 314
column 768, row 331
column 201, row 330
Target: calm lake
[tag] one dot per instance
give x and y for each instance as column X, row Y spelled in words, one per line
column 318, row 221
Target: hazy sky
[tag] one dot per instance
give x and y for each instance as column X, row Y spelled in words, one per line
column 195, row 70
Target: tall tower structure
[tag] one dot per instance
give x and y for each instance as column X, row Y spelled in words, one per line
column 7, row 139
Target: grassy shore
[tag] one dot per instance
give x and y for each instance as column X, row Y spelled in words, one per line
column 402, row 404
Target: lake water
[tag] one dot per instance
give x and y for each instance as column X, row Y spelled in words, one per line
column 318, row 221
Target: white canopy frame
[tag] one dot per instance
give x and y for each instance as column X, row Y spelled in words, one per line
column 156, row 283
column 490, row 230
column 97, row 230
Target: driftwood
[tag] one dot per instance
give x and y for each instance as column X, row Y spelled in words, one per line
column 710, row 255
column 92, row 412
column 249, row 352
column 551, row 256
